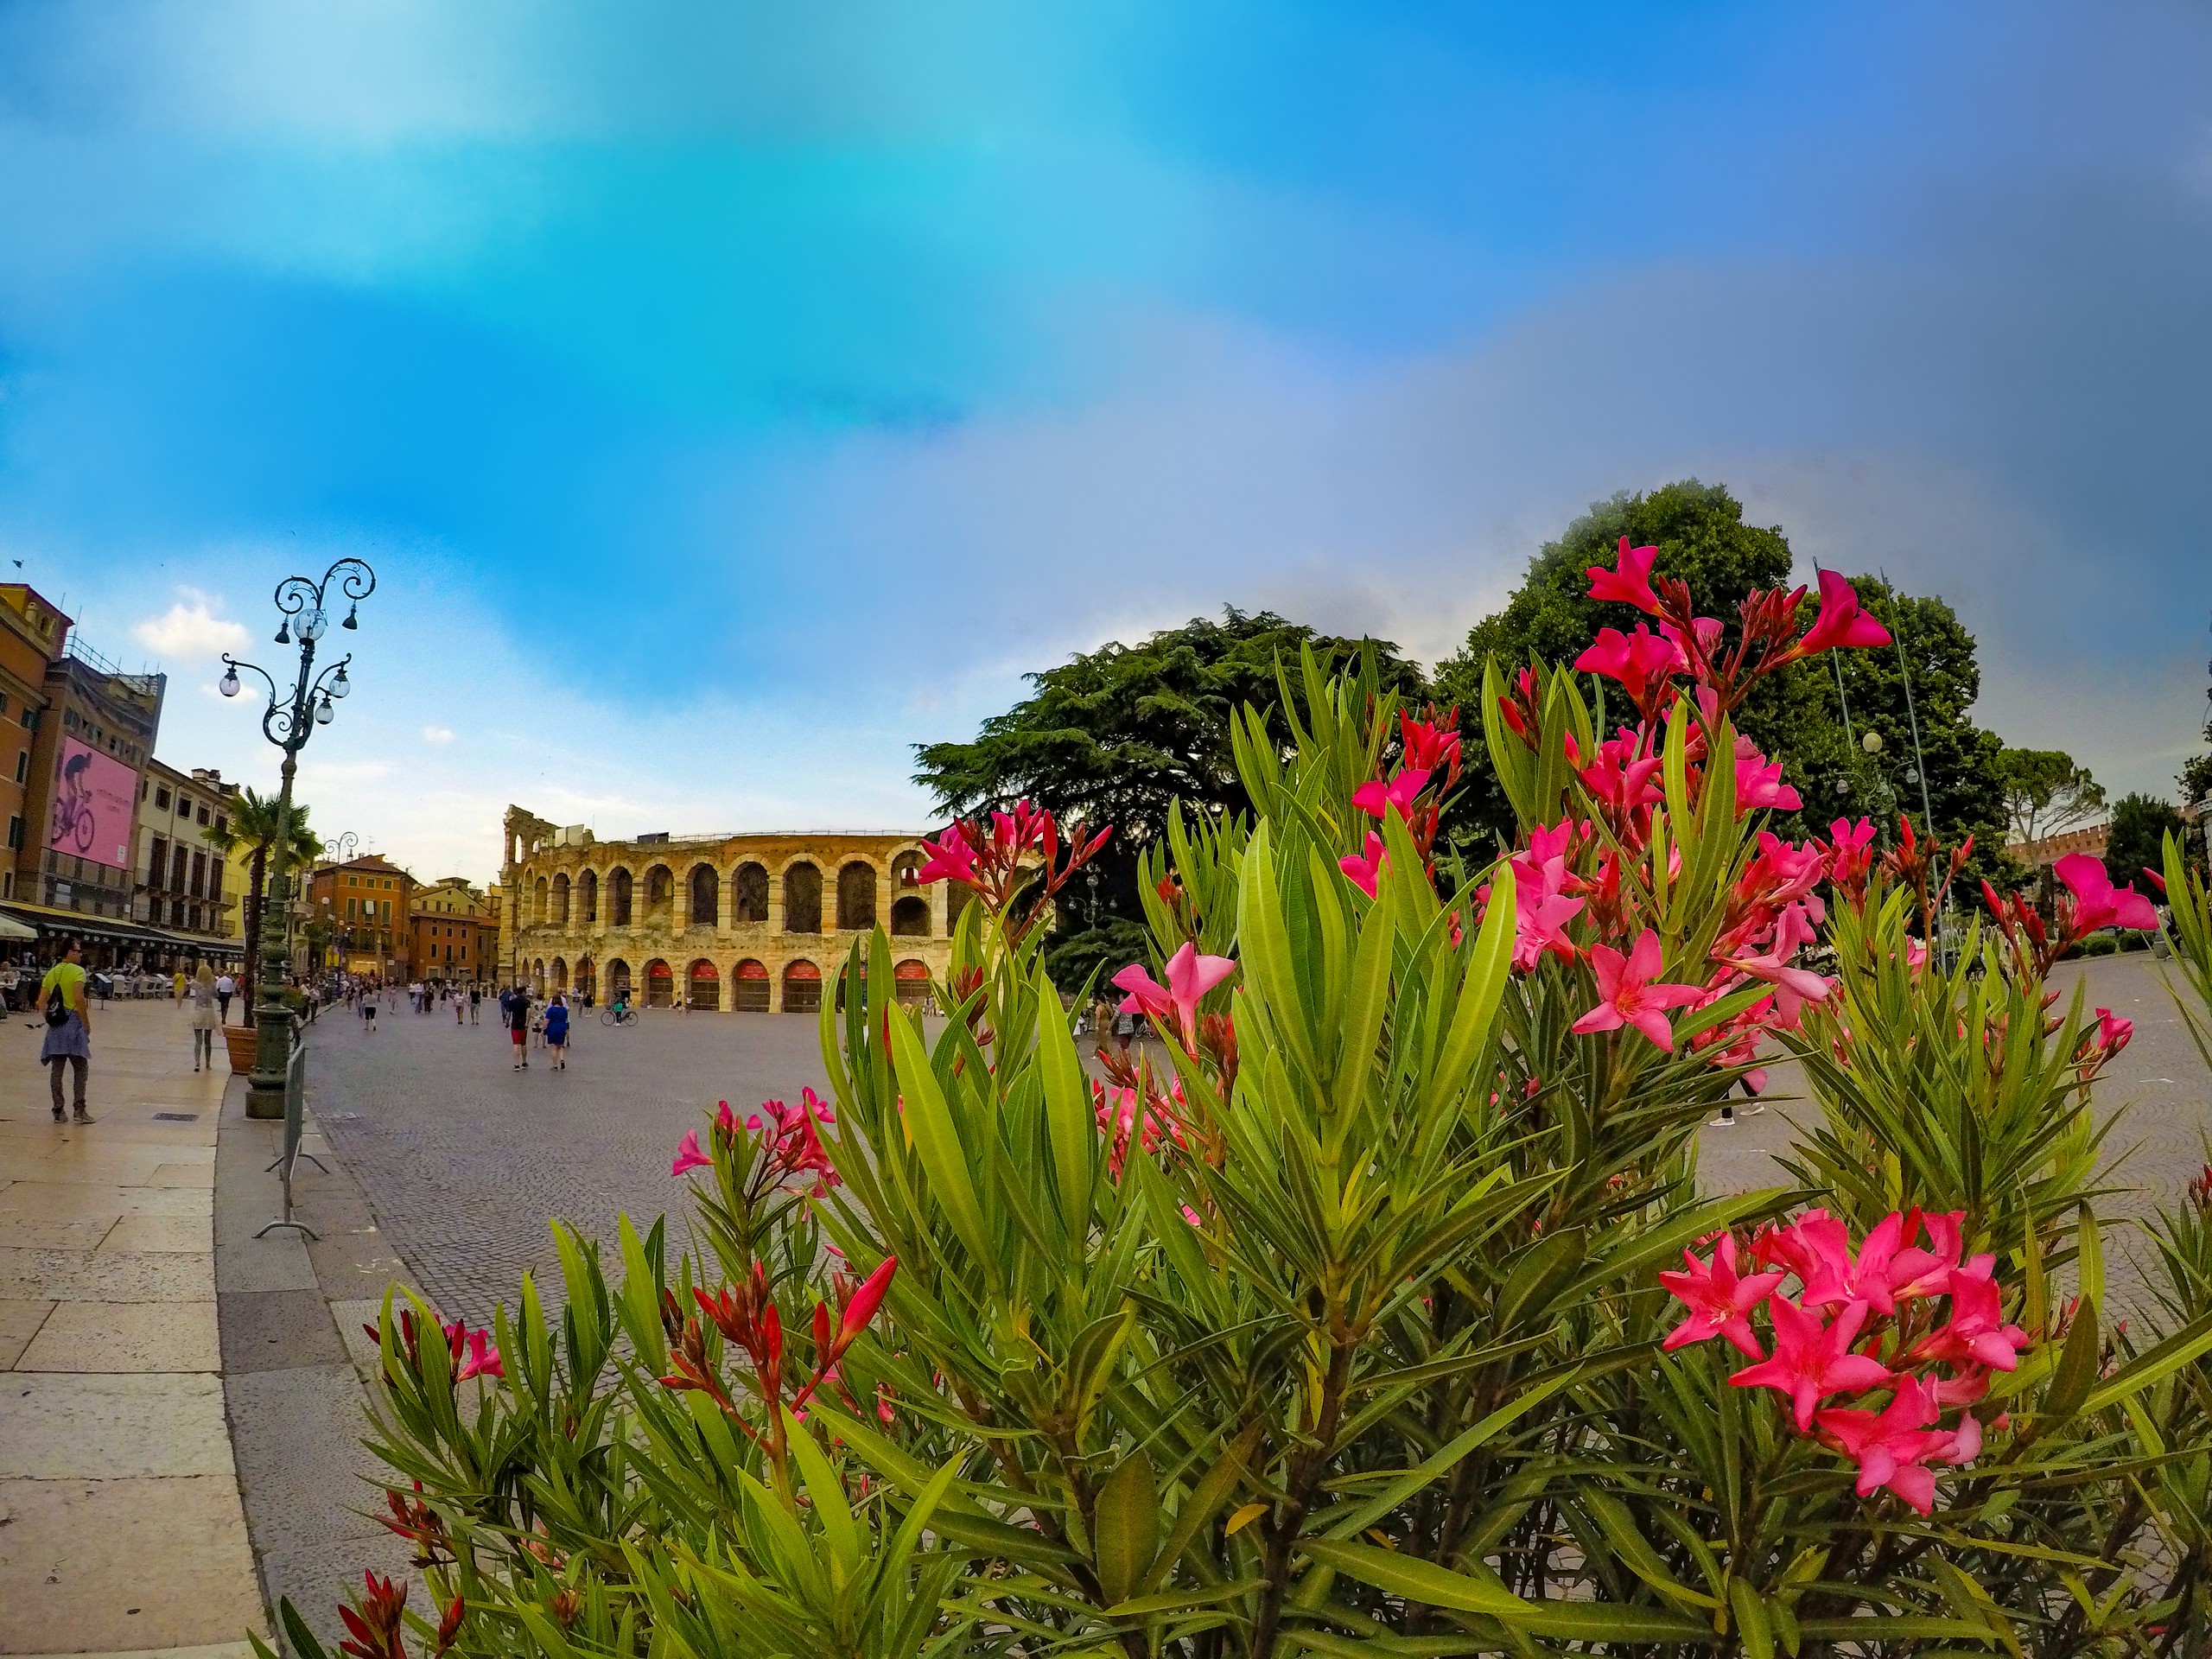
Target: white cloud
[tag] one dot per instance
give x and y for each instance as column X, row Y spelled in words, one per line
column 190, row 628
column 437, row 734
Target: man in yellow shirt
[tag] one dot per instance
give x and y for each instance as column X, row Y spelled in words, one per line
column 69, row 1042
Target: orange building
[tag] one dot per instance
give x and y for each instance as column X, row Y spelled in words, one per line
column 32, row 633
column 367, row 905
column 456, row 933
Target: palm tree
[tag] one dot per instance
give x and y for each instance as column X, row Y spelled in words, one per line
column 253, row 824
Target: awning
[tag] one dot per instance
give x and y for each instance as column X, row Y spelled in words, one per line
column 12, row 928
column 48, row 923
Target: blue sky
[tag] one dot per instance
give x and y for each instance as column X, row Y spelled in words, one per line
column 731, row 396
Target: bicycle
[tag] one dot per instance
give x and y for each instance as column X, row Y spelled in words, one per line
column 619, row 1017
column 73, row 815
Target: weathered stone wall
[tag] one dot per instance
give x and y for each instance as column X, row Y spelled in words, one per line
column 558, row 937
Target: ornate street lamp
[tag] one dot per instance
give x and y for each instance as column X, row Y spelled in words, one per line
column 288, row 721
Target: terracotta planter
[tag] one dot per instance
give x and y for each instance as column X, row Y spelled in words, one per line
column 241, row 1040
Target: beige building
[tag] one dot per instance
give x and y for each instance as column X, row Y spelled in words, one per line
column 750, row 923
column 178, row 871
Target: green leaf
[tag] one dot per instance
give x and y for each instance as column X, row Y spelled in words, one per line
column 640, row 1305
column 1432, row 1586
column 1206, row 1500
column 1125, row 1527
column 1175, row 1601
column 2161, row 1362
column 1635, row 1550
column 1752, row 1625
column 2077, row 1365
column 1069, row 1125
column 936, row 1142
column 2089, row 1258
column 827, row 1493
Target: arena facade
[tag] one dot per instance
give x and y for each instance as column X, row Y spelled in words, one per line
column 751, row 923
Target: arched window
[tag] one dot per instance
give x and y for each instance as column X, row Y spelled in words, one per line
column 857, row 897
column 910, row 917
column 537, row 910
column 560, row 973
column 750, row 895
column 706, row 896
column 802, row 988
column 749, row 986
column 588, row 894
column 561, row 899
column 911, row 982
column 802, row 900
column 660, row 896
column 537, row 976
column 906, row 871
column 586, row 980
column 618, row 899
column 706, row 985
column 618, row 980
column 660, row 984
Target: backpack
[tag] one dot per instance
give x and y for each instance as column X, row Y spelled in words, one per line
column 57, row 1008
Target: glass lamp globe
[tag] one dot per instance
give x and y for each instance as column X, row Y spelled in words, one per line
column 228, row 685
column 324, row 713
column 1872, row 742
column 312, row 623
column 340, row 685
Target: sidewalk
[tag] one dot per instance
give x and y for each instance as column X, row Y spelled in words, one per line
column 121, row 1528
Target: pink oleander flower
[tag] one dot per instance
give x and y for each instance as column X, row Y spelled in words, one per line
column 1375, row 797
column 1842, row 624
column 1708, row 631
column 2097, row 903
column 1627, row 993
column 1540, row 915
column 1893, row 1446
column 1813, row 1360
column 1793, row 986
column 483, row 1358
column 1720, row 1303
column 1620, row 780
column 1630, row 581
column 1189, row 977
column 1365, row 873
column 1977, row 1333
column 2113, row 1032
column 950, row 855
column 1428, row 747
column 1641, row 662
column 688, row 1155
column 1758, row 782
column 1850, row 851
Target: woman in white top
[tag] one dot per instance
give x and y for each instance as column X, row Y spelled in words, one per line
column 199, row 993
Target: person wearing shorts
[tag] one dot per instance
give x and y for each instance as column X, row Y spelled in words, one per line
column 369, row 1012
column 518, row 1026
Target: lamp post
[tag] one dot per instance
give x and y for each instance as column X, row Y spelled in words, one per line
column 288, row 721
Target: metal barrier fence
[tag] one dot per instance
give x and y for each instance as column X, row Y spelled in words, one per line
column 295, row 1102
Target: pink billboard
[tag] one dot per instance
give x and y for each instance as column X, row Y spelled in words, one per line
column 93, row 795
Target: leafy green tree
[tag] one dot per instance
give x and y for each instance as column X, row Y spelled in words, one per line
column 1116, row 734
column 253, row 824
column 2047, row 793
column 2138, row 840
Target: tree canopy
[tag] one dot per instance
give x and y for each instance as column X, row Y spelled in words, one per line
column 2047, row 793
column 1116, row 734
column 2138, row 840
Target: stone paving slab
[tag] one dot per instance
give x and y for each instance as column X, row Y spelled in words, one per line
column 121, row 1528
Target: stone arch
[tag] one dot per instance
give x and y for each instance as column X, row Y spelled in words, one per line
column 538, row 909
column 620, row 892
column 856, row 896
column 618, row 981
column 561, row 899
column 560, row 972
column 660, row 896
column 588, row 896
column 910, row 981
column 802, row 987
column 537, row 976
column 802, row 898
column 749, row 893
column 956, row 895
column 910, row 917
column 660, row 984
column 906, row 871
column 705, row 984
column 586, row 980
column 706, row 895
column 750, row 986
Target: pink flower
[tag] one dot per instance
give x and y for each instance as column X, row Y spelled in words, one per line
column 1720, row 1303
column 1977, row 1333
column 1758, row 782
column 1539, row 925
column 1708, row 630
column 1375, row 797
column 1639, row 662
column 1189, row 977
column 1811, row 1360
column 862, row 1308
column 688, row 1155
column 2096, row 902
column 483, row 1359
column 1428, row 747
column 949, row 855
column 2113, row 1034
column 725, row 1119
column 1842, row 624
column 1366, row 872
column 1621, row 781
column 1850, row 851
column 1627, row 995
column 1630, row 581
column 1891, row 1446
column 1793, row 986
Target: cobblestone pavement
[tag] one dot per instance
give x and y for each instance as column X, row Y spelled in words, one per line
column 466, row 1159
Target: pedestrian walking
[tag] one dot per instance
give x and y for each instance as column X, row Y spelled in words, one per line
column 226, row 988
column 1125, row 1027
column 516, row 1006
column 199, row 993
column 176, row 987
column 556, row 1032
column 369, row 1012
column 458, row 1016
column 68, row 1027
column 476, row 996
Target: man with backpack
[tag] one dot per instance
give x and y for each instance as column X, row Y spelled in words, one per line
column 68, row 1026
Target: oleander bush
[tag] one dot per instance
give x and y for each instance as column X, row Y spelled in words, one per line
column 1386, row 1314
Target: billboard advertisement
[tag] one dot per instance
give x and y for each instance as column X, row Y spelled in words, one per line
column 93, row 797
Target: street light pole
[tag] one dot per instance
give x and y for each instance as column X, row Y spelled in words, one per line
column 288, row 721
